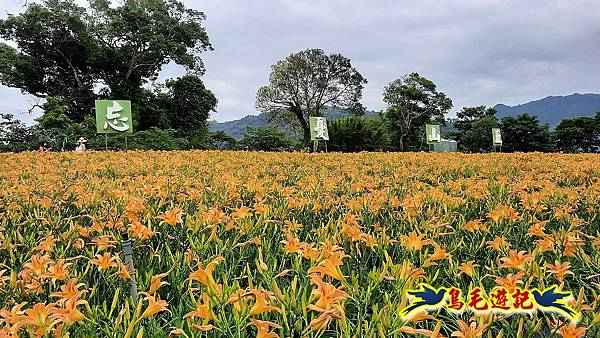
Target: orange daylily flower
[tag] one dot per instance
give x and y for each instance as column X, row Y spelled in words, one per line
column 261, row 208
column 331, row 266
column 103, row 242
column 516, row 260
column 203, row 309
column 439, row 253
column 2, row 277
column 203, row 328
column 59, row 271
column 47, row 244
column 172, row 217
column 545, row 244
column 560, row 270
column 572, row 331
column 177, row 332
column 156, row 281
column 241, row 212
column 498, row 243
column 69, row 292
column 292, row 225
column 467, row 268
column 105, row 261
column 139, row 230
column 123, row 271
column 495, row 215
column 14, row 315
column 70, row 314
column 475, row 225
column 155, row 305
column 263, row 327
column 292, row 245
column 537, row 229
column 502, row 211
column 37, row 264
column 511, row 281
column 420, row 315
column 408, row 272
column 414, row 241
column 310, row 252
column 39, row 316
column 261, row 305
column 238, row 299
column 329, row 304
column 469, row 331
column 204, row 276
column 79, row 243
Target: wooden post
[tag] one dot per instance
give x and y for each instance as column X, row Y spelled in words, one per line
column 128, row 253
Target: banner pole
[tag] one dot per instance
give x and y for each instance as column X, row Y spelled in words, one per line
column 106, row 142
column 125, row 143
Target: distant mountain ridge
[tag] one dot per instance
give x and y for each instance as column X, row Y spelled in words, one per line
column 552, row 109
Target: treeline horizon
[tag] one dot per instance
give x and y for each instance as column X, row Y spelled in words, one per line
column 472, row 131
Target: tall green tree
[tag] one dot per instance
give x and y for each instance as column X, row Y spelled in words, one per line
column 304, row 83
column 192, row 104
column 413, row 100
column 474, row 128
column 78, row 54
column 525, row 133
column 15, row 136
column 579, row 134
column 357, row 133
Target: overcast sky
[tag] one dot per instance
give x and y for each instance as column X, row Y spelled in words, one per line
column 477, row 52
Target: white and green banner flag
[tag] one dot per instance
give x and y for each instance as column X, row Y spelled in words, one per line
column 432, row 133
column 318, row 128
column 113, row 116
column 496, row 136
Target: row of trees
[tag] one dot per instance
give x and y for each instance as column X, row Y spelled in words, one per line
column 472, row 129
column 525, row 132
column 306, row 82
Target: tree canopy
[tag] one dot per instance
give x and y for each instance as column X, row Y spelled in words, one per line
column 78, row 54
column 305, row 82
column 525, row 133
column 413, row 100
column 474, row 128
column 579, row 134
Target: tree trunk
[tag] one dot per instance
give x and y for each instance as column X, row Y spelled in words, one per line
column 401, row 143
column 303, row 123
column 306, row 132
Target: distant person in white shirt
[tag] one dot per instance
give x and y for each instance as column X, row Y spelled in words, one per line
column 80, row 145
column 44, row 147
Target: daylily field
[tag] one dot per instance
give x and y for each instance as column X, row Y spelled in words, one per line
column 246, row 244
